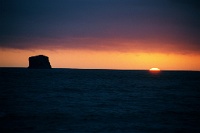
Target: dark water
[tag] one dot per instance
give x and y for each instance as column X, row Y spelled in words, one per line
column 107, row 101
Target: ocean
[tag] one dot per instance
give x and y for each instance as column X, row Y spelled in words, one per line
column 98, row 101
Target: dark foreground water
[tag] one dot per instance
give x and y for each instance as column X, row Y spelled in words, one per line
column 92, row 101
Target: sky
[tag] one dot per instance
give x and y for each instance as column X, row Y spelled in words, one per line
column 108, row 34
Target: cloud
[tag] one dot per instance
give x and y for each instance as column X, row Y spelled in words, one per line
column 100, row 24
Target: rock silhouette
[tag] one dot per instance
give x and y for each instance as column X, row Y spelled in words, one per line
column 39, row 62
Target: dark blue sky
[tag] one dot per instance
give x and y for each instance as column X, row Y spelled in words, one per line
column 29, row 24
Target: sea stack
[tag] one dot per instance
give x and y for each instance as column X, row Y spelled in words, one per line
column 39, row 62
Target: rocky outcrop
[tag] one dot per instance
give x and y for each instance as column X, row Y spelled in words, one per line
column 39, row 62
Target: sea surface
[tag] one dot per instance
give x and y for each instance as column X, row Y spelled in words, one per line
column 98, row 101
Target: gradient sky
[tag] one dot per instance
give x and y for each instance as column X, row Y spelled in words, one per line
column 116, row 34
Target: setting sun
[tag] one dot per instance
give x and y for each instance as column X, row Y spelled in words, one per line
column 154, row 69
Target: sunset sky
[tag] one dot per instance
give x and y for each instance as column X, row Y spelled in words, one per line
column 105, row 34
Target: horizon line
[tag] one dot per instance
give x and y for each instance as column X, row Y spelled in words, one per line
column 111, row 69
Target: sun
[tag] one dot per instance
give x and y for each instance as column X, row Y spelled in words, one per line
column 154, row 69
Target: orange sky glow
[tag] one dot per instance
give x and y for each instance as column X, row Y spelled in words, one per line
column 90, row 59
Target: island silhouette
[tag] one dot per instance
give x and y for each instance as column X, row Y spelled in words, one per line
column 39, row 62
